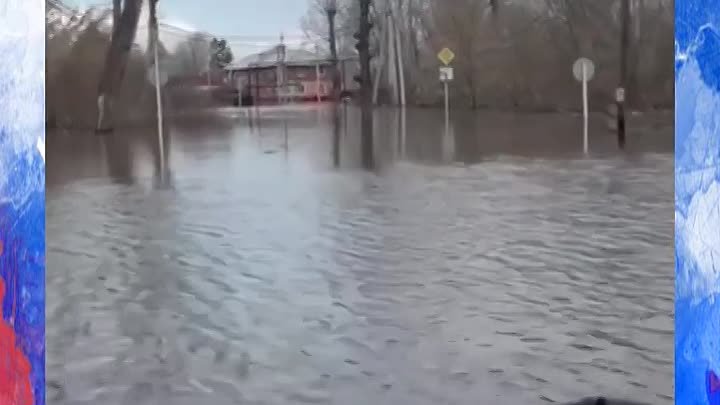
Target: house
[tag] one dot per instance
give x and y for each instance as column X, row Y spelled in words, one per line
column 281, row 74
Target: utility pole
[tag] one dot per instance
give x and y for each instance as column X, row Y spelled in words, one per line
column 380, row 67
column 391, row 54
column 620, row 95
column 392, row 60
column 400, row 63
column 365, row 80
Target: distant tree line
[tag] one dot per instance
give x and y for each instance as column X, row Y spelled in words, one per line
column 515, row 54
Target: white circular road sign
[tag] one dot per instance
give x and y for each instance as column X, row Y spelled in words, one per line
column 578, row 69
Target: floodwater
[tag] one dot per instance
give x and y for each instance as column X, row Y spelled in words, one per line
column 258, row 263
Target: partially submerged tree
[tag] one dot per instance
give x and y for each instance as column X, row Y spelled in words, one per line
column 365, row 80
column 116, row 13
column 331, row 9
column 76, row 46
column 123, row 36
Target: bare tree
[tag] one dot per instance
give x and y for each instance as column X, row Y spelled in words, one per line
column 315, row 24
column 193, row 55
column 116, row 61
column 331, row 8
column 363, row 48
column 516, row 54
column 116, row 13
column 77, row 44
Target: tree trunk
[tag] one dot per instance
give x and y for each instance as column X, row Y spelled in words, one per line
column 333, row 55
column 117, row 11
column 413, row 52
column 153, row 36
column 153, row 25
column 635, row 48
column 366, row 121
column 116, row 62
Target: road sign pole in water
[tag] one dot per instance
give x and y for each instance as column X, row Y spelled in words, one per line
column 446, row 75
column 584, row 70
column 446, row 56
column 447, row 109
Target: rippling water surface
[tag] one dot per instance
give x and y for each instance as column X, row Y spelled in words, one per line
column 265, row 267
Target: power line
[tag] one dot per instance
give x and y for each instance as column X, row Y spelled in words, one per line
column 244, row 40
column 235, row 39
column 190, row 36
column 274, row 37
column 247, row 37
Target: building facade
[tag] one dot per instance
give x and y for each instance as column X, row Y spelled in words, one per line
column 265, row 84
column 281, row 75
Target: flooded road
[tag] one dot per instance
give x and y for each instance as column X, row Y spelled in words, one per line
column 263, row 266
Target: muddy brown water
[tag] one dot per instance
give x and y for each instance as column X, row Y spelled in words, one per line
column 262, row 265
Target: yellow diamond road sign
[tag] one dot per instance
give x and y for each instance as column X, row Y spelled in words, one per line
column 446, row 56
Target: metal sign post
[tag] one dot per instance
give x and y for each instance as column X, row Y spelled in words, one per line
column 446, row 56
column 446, row 75
column 584, row 70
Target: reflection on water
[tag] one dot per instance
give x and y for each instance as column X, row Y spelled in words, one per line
column 491, row 262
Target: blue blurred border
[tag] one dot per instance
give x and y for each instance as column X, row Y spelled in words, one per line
column 697, row 200
column 22, row 180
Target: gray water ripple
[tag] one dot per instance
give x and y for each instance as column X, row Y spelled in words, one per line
column 265, row 279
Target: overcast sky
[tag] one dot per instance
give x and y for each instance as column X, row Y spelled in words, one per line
column 248, row 25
